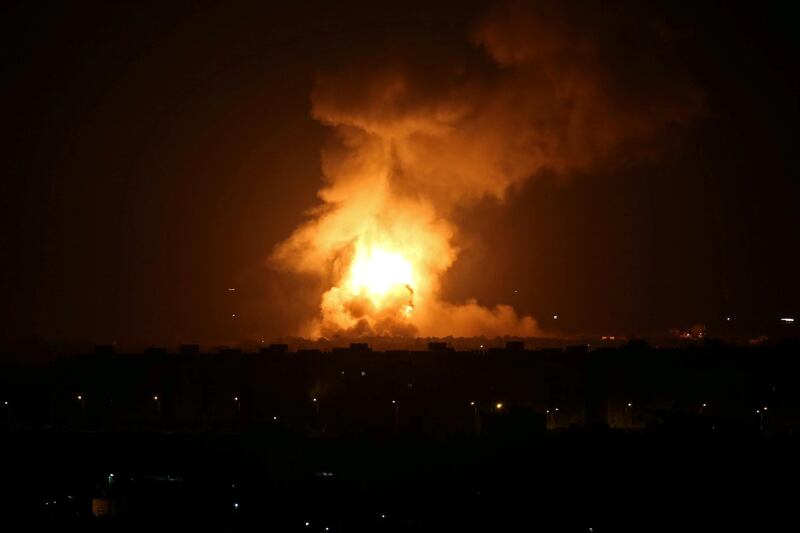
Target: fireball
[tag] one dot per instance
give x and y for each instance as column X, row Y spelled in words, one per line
column 376, row 272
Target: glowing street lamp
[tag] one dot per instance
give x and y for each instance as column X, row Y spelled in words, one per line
column 761, row 412
column 702, row 408
column 396, row 413
column 550, row 416
column 316, row 405
column 498, row 406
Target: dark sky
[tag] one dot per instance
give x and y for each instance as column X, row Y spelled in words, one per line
column 154, row 154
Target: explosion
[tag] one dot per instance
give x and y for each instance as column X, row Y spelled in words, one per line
column 384, row 278
column 376, row 294
column 379, row 275
column 421, row 134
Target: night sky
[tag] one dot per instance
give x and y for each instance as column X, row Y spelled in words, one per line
column 155, row 154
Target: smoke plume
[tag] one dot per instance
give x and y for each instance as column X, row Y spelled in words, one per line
column 421, row 130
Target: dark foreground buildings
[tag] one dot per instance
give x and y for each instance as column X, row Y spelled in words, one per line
column 615, row 439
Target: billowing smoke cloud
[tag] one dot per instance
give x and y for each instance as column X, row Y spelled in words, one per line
column 417, row 133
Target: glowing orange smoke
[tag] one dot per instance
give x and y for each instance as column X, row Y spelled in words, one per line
column 420, row 136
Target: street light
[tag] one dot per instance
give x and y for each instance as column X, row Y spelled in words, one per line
column 238, row 405
column 498, row 405
column 396, row 414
